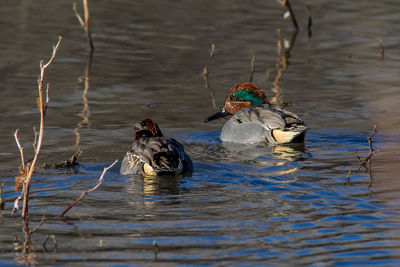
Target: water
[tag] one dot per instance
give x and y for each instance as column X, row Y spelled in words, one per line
column 243, row 205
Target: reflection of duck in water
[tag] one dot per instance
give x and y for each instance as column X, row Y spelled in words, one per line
column 153, row 154
column 255, row 119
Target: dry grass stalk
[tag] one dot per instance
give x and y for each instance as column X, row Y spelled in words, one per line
column 207, row 86
column 253, row 59
column 42, row 105
column 99, row 182
column 288, row 6
column 85, row 23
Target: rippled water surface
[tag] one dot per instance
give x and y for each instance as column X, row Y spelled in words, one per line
column 242, row 205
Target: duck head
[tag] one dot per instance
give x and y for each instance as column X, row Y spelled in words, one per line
column 147, row 128
column 240, row 96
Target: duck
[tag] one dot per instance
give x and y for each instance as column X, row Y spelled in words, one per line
column 254, row 119
column 153, row 154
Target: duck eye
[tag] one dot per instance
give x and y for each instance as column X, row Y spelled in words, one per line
column 144, row 133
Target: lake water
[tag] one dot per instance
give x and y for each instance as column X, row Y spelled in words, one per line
column 243, row 205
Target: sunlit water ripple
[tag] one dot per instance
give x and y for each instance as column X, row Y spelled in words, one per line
column 243, row 205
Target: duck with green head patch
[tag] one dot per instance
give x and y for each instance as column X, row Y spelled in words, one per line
column 255, row 119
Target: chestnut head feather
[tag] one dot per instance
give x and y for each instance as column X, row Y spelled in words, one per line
column 147, row 128
column 240, row 96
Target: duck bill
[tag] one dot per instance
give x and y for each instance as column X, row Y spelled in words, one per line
column 219, row 114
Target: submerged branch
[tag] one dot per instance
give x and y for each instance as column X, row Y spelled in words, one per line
column 367, row 162
column 71, row 162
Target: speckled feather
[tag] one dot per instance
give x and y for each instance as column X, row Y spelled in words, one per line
column 150, row 148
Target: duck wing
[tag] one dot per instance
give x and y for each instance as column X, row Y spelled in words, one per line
column 266, row 117
column 271, row 122
column 290, row 117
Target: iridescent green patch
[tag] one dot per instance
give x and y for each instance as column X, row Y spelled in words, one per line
column 247, row 95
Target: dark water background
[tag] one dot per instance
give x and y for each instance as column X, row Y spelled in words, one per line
column 243, row 205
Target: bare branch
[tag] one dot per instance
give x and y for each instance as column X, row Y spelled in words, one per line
column 28, row 178
column 88, row 191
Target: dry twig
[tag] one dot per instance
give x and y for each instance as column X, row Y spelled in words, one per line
column 88, row 191
column 21, row 149
column 253, row 59
column 85, row 23
column 371, row 150
column 366, row 163
column 42, row 108
column 207, row 85
column 381, row 49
